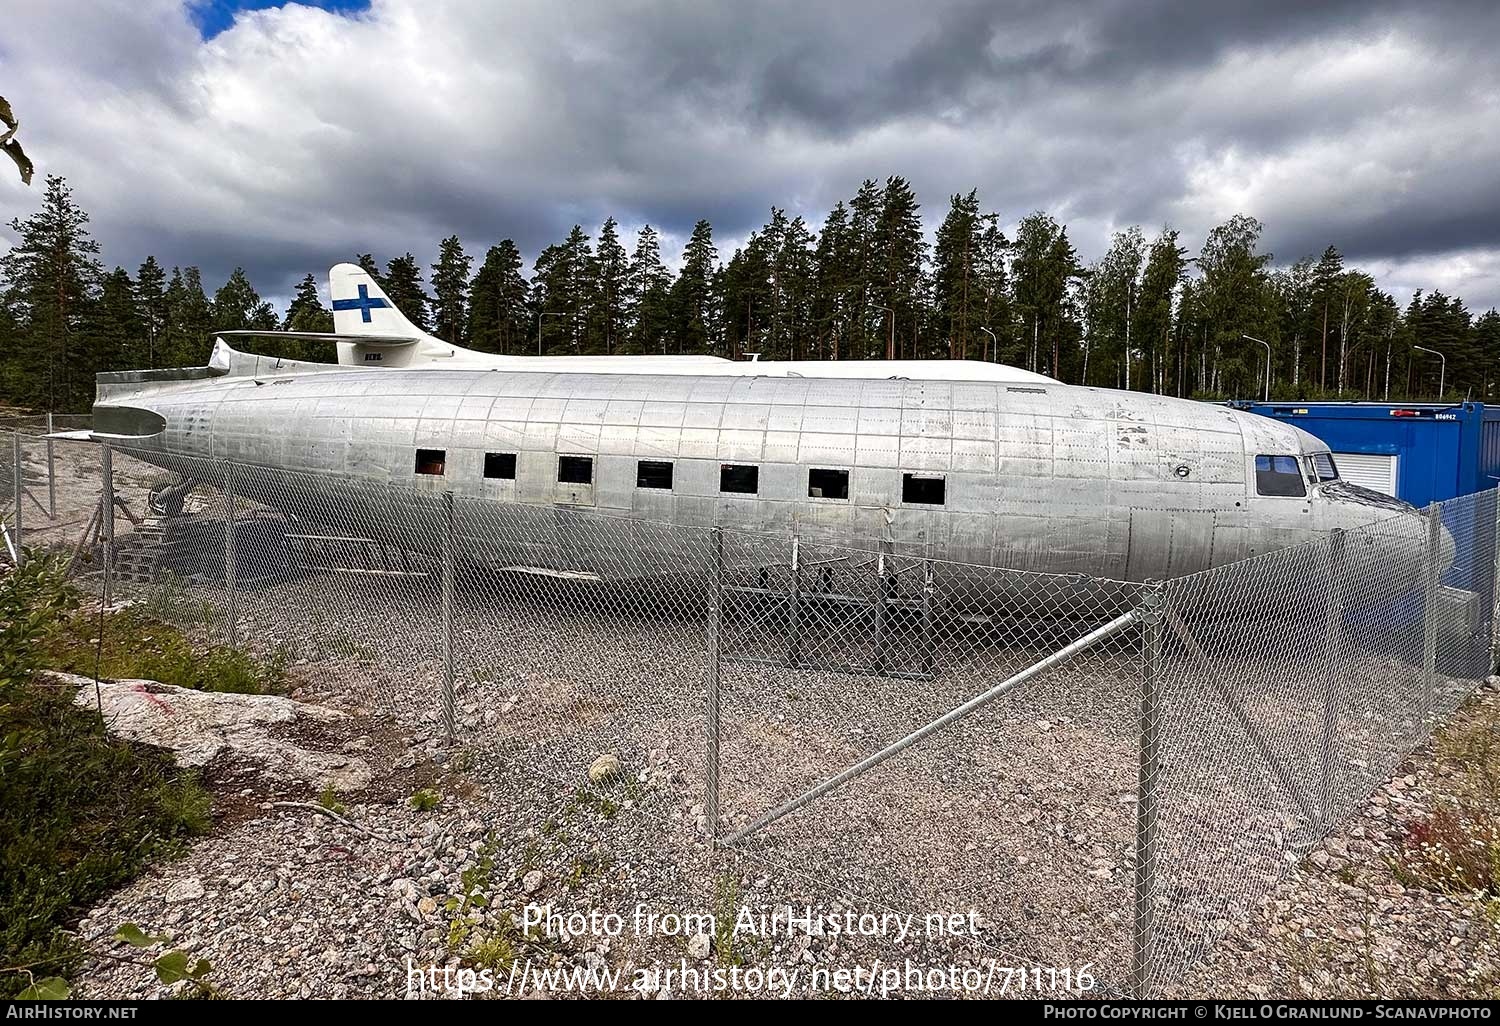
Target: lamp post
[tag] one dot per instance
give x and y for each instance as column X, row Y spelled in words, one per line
column 1442, row 368
column 993, row 343
column 539, row 316
column 1263, row 342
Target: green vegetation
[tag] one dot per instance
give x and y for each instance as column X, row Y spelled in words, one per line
column 132, row 644
column 1152, row 313
column 1456, row 849
column 329, row 799
column 425, row 800
column 80, row 812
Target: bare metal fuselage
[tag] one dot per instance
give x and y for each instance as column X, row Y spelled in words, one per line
column 1037, row 476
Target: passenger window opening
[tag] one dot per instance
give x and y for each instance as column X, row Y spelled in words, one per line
column 739, row 479
column 1323, row 467
column 575, row 470
column 431, row 461
column 653, row 474
column 500, row 465
column 924, row 489
column 827, row 484
column 1279, row 476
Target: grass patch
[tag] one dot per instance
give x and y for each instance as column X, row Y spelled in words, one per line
column 1454, row 850
column 136, row 645
column 80, row 812
column 425, row 800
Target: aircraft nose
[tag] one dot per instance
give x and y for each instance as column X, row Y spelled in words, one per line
column 1400, row 537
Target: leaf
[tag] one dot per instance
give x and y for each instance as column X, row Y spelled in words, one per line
column 53, row 988
column 172, row 967
column 136, row 937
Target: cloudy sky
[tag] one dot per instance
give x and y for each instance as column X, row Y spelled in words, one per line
column 285, row 138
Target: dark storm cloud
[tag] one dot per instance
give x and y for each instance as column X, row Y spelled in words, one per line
column 299, row 137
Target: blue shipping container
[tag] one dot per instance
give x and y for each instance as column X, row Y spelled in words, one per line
column 1420, row 452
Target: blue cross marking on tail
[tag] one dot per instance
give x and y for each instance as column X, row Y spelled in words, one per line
column 364, row 304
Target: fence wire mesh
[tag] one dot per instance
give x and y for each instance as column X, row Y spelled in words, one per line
column 1107, row 774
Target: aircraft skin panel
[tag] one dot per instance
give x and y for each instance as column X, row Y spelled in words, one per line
column 1043, row 476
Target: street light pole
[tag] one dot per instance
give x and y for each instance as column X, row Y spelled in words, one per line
column 993, row 342
column 1442, row 368
column 1263, row 342
column 539, row 316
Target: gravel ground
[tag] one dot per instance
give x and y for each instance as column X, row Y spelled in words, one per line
column 1343, row 925
column 1023, row 814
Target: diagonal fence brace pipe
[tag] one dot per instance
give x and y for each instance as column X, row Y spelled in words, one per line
column 1057, row 658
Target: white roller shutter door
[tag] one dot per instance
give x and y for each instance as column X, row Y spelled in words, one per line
column 1377, row 471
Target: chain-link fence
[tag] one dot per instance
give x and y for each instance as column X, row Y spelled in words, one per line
column 1105, row 774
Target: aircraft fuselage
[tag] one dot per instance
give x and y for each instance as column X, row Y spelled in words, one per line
column 1031, row 476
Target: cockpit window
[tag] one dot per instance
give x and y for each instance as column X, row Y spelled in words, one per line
column 1323, row 467
column 1279, row 475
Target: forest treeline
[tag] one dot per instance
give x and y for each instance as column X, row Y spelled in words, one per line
column 1150, row 314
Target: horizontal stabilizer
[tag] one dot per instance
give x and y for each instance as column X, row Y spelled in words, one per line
column 326, row 336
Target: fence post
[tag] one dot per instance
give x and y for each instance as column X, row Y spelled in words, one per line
column 449, row 725
column 928, row 645
column 1495, row 587
column 881, row 586
column 795, row 656
column 51, row 474
column 231, row 576
column 1334, row 676
column 20, row 483
column 1432, row 571
column 1145, row 809
column 715, row 623
column 107, row 519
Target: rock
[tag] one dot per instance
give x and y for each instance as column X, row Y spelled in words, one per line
column 532, row 881
column 699, row 945
column 605, row 770
column 187, row 889
column 427, row 906
column 201, row 726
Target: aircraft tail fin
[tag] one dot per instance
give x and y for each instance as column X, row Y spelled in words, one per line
column 361, row 307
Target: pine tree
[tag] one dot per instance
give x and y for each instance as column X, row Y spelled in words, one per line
column 238, row 307
column 498, row 317
column 189, row 319
column 612, row 271
column 151, row 301
column 790, row 246
column 112, row 325
column 563, row 288
column 369, row 266
column 695, row 299
column 648, row 288
column 403, row 286
column 52, row 272
column 1044, row 268
column 450, row 288
column 958, row 294
column 995, row 283
column 866, row 337
column 1166, row 266
column 306, row 311
column 747, row 303
column 1325, row 281
column 900, row 250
